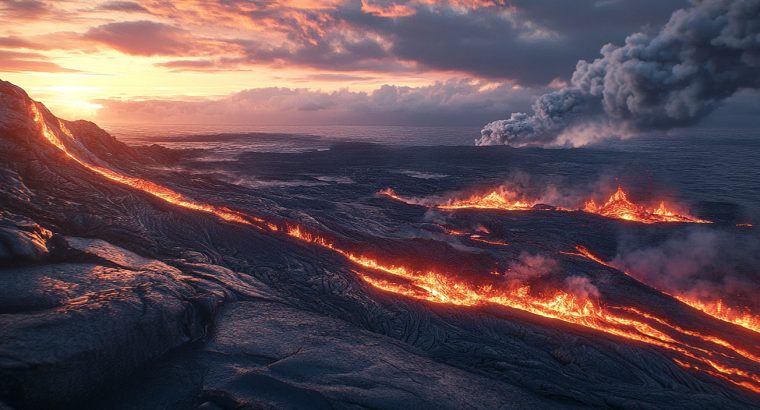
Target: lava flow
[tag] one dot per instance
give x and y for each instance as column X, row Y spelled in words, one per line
column 718, row 358
column 719, row 310
column 475, row 237
column 633, row 324
column 715, row 308
column 156, row 190
column 492, row 200
column 497, row 199
column 618, row 206
column 479, row 238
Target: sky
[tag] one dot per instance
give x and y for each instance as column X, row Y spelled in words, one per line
column 300, row 62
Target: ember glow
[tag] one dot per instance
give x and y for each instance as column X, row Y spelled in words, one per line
column 713, row 356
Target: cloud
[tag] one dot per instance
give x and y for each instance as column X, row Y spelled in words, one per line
column 525, row 42
column 522, row 41
column 386, row 10
column 453, row 102
column 673, row 78
column 12, row 61
column 17, row 42
column 189, row 65
column 334, row 77
column 124, row 6
column 143, row 38
column 23, row 9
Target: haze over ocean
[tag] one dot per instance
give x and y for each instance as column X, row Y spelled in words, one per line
column 705, row 164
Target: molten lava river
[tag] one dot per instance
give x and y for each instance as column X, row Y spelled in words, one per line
column 692, row 348
column 617, row 206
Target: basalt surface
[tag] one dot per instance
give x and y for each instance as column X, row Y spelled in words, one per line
column 114, row 298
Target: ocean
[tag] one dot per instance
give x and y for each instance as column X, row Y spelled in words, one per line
column 708, row 165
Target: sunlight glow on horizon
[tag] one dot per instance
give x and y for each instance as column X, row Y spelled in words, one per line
column 71, row 74
column 295, row 61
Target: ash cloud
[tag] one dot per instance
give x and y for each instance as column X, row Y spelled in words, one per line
column 674, row 78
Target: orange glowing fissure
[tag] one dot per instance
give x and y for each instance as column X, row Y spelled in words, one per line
column 715, row 308
column 617, row 206
column 722, row 359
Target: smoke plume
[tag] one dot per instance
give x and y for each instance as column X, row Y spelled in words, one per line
column 702, row 56
column 703, row 264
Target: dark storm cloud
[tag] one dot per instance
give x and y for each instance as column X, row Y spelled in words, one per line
column 676, row 77
column 529, row 43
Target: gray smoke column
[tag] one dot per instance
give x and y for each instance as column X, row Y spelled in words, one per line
column 703, row 55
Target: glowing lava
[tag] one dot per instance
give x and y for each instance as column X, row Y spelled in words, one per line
column 497, row 199
column 618, row 206
column 501, row 199
column 719, row 310
column 478, row 238
column 156, row 190
column 633, row 324
column 714, row 356
column 716, row 308
column 390, row 193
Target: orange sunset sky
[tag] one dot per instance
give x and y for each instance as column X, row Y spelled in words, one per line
column 303, row 61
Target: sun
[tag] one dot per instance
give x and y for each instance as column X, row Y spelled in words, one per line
column 72, row 101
